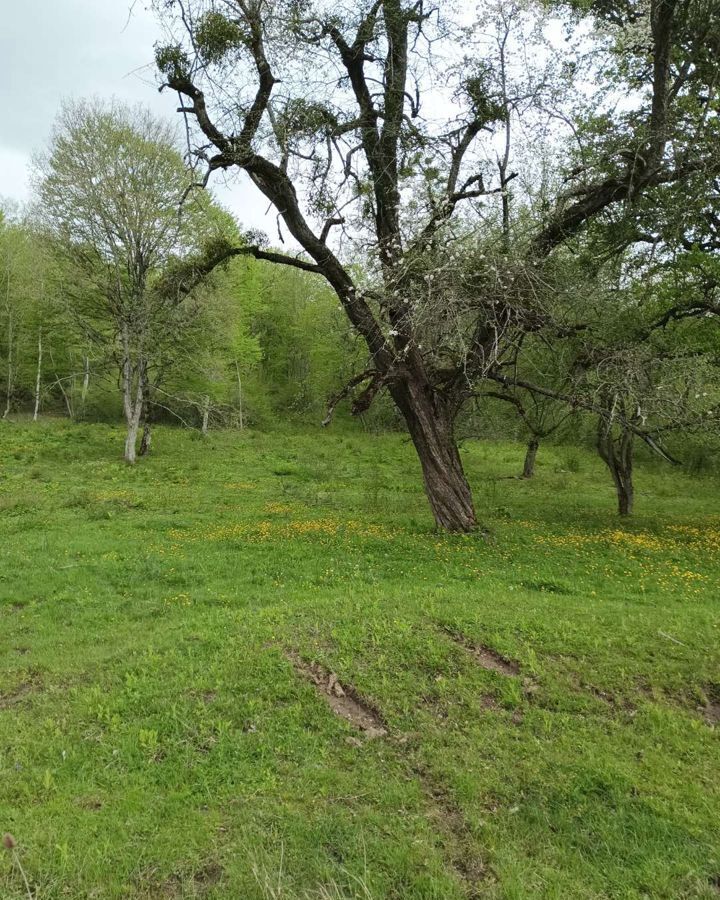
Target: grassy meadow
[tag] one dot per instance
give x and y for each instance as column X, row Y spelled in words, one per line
column 535, row 714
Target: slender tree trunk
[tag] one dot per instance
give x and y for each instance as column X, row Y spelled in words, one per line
column 38, row 376
column 430, row 425
column 241, row 424
column 530, row 455
column 10, row 370
column 133, row 404
column 146, row 440
column 131, row 442
column 205, row 414
column 85, row 384
column 626, row 497
column 133, row 426
column 617, row 454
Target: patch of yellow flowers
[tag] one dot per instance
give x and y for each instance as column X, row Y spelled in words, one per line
column 253, row 532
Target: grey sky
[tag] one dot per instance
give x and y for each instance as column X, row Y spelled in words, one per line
column 53, row 49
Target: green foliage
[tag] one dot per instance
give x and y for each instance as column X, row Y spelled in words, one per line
column 216, row 35
column 485, row 99
column 172, row 61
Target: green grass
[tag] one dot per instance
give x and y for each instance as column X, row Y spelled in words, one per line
column 155, row 740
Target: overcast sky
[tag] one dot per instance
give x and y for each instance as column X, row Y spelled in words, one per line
column 54, row 49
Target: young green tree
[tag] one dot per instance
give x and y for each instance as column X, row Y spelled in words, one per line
column 115, row 198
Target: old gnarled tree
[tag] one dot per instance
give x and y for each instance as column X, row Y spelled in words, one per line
column 389, row 123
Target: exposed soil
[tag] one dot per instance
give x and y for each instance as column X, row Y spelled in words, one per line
column 197, row 885
column 341, row 698
column 17, row 695
column 485, row 656
column 712, row 713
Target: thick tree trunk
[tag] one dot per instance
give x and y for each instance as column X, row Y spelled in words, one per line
column 431, row 428
column 530, row 456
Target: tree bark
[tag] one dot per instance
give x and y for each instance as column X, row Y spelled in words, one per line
column 85, row 384
column 241, row 423
column 430, row 424
column 38, row 376
column 617, row 454
column 10, row 371
column 146, row 440
column 133, row 405
column 530, row 455
column 205, row 414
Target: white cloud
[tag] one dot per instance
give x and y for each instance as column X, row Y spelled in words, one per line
column 55, row 49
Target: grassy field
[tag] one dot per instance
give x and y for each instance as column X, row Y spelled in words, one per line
column 535, row 715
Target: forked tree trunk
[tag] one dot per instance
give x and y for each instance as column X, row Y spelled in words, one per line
column 430, row 425
column 530, row 456
column 617, row 453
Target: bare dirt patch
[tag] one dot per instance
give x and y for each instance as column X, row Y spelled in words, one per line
column 485, row 656
column 198, row 884
column 712, row 713
column 487, row 701
column 341, row 698
column 17, row 694
column 711, row 710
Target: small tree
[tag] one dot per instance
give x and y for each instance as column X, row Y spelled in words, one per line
column 113, row 195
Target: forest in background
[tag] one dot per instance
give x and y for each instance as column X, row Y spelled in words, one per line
column 271, row 344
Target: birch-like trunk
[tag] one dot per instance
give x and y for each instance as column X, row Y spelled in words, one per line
column 38, row 376
column 10, row 371
column 146, row 440
column 205, row 414
column 132, row 383
column 86, row 383
column 241, row 424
